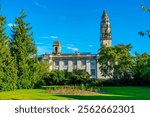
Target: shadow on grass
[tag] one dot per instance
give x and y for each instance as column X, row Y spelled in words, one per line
column 116, row 93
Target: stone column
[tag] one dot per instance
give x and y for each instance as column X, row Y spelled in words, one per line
column 88, row 66
column 98, row 70
column 70, row 66
column 78, row 64
column 51, row 67
column 61, row 65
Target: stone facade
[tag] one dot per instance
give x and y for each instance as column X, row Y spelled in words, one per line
column 69, row 62
column 84, row 61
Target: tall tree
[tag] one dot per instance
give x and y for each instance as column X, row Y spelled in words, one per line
column 116, row 62
column 8, row 72
column 24, row 51
column 142, row 69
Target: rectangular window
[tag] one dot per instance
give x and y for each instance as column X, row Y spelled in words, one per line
column 75, row 62
column 83, row 62
column 56, row 63
column 65, row 63
column 93, row 63
column 93, row 72
column 65, row 70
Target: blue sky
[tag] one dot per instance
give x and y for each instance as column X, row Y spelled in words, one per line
column 76, row 23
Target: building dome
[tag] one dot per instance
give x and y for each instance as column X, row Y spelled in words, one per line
column 57, row 43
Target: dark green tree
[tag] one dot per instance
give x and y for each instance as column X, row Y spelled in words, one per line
column 58, row 77
column 116, row 62
column 24, row 51
column 79, row 77
column 43, row 74
column 8, row 72
column 142, row 69
column 55, row 78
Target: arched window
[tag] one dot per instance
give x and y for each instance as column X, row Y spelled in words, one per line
column 56, row 49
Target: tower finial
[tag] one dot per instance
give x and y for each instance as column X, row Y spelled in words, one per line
column 105, row 37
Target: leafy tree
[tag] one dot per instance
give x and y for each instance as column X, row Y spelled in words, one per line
column 55, row 78
column 76, row 77
column 79, row 77
column 44, row 68
column 116, row 62
column 59, row 77
column 142, row 69
column 8, row 72
column 43, row 73
column 24, row 51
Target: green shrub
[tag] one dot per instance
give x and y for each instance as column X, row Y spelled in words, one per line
column 108, row 82
column 95, row 82
column 83, row 87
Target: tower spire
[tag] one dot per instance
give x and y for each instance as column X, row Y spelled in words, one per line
column 105, row 32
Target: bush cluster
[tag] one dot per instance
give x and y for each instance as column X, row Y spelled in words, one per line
column 75, row 78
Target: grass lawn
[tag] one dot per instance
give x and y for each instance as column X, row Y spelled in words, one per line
column 111, row 93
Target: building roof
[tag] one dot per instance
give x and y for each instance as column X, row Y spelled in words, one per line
column 71, row 56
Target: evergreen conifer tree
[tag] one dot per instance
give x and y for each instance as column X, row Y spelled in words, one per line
column 8, row 72
column 24, row 51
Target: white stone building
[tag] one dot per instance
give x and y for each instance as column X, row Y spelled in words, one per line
column 84, row 61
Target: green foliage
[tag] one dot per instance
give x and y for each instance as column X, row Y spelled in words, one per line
column 94, row 82
column 108, row 82
column 55, row 78
column 145, row 8
column 44, row 69
column 142, row 69
column 83, row 87
column 8, row 72
column 79, row 77
column 76, row 77
column 24, row 51
column 43, row 74
column 116, row 62
column 148, row 31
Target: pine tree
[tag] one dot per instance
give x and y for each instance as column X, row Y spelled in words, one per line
column 8, row 72
column 24, row 51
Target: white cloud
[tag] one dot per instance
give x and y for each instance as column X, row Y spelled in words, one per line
column 54, row 37
column 40, row 5
column 49, row 37
column 73, row 49
column 45, row 37
column 10, row 24
column 90, row 45
column 70, row 45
